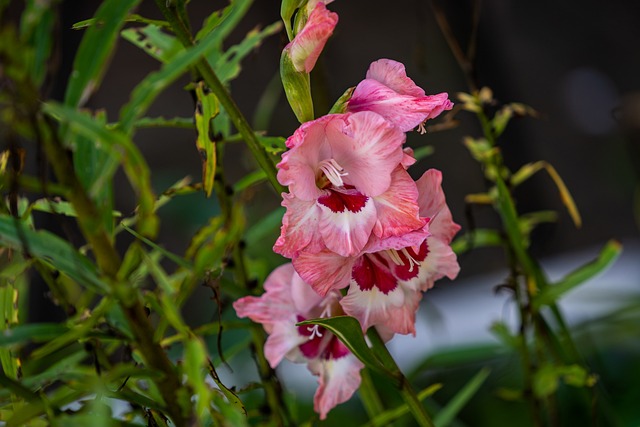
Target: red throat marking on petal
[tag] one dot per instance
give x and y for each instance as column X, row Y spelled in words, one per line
column 373, row 270
column 407, row 270
column 338, row 201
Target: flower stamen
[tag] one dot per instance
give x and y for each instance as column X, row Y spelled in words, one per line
column 421, row 128
column 315, row 332
column 333, row 171
column 411, row 259
column 397, row 259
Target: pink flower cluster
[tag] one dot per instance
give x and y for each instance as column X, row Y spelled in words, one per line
column 364, row 238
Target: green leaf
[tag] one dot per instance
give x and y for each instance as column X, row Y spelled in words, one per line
column 451, row 410
column 262, row 228
column 228, row 65
column 152, row 85
column 94, row 164
column 273, row 144
column 36, row 28
column 340, row 106
column 161, row 122
column 52, row 250
column 297, row 87
column 33, row 332
column 248, row 180
column 553, row 292
column 154, row 41
column 120, row 144
column 545, row 381
column 349, row 331
column 195, row 357
column 206, row 110
column 526, row 171
column 227, row 23
column 134, row 17
column 287, row 10
column 422, row 152
column 95, row 49
column 501, row 330
column 389, row 416
column 478, row 238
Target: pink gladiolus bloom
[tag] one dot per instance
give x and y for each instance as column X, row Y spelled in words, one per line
column 387, row 278
column 306, row 46
column 346, row 181
column 389, row 92
column 287, row 301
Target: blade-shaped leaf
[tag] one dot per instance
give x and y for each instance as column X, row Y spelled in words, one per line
column 206, row 109
column 552, row 293
column 228, row 65
column 348, row 330
column 52, row 250
column 33, row 332
column 121, row 145
column 449, row 412
column 95, row 49
column 154, row 41
column 152, row 85
column 387, row 417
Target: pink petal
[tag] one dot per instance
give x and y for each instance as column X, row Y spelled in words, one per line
column 441, row 261
column 303, row 296
column 368, row 148
column 408, row 159
column 397, row 208
column 404, row 111
column 433, row 205
column 299, row 165
column 299, row 229
column 283, row 341
column 372, row 307
column 346, row 232
column 324, row 270
column 307, row 45
column 338, row 379
column 274, row 305
column 413, row 238
column 393, row 75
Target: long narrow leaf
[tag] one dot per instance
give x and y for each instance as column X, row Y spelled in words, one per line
column 449, row 412
column 206, row 110
column 52, row 250
column 95, row 49
column 120, row 144
column 144, row 94
column 552, row 293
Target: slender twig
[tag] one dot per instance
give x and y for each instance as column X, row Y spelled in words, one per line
column 463, row 61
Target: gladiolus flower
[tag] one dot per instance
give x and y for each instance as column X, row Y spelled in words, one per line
column 346, row 180
column 287, row 301
column 387, row 278
column 389, row 92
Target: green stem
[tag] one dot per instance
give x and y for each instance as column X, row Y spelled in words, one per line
column 369, row 395
column 272, row 388
column 211, row 79
column 109, row 263
column 406, row 390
